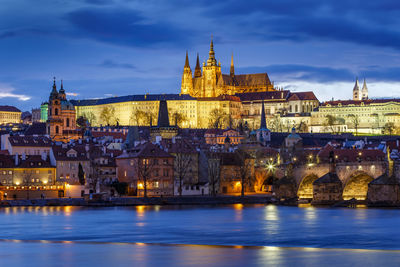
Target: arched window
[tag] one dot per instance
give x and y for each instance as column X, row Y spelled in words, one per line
column 67, row 122
column 56, row 111
column 296, row 108
column 56, row 129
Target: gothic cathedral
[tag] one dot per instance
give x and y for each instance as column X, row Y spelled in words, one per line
column 210, row 82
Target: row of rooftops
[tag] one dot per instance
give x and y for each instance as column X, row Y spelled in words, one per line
column 358, row 102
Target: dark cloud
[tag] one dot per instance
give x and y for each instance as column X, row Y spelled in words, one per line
column 373, row 23
column 108, row 63
column 124, row 27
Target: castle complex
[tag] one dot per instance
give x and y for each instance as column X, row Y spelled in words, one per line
column 210, row 82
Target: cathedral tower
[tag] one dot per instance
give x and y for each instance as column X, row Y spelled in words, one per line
column 187, row 82
column 197, row 70
column 232, row 72
column 211, row 72
column 356, row 91
column 364, row 91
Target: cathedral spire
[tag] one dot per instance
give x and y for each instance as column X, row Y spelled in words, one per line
column 197, row 70
column 263, row 123
column 54, row 85
column 232, row 72
column 211, row 58
column 187, row 60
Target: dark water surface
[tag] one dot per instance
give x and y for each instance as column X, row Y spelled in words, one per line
column 234, row 235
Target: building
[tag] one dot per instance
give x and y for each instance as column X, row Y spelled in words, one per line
column 360, row 94
column 36, row 115
column 26, row 145
column 163, row 129
column 25, row 177
column 209, row 81
column 147, row 167
column 44, row 109
column 218, row 136
column 61, row 122
column 9, row 114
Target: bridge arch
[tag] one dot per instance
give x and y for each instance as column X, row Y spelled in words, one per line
column 305, row 190
column 357, row 186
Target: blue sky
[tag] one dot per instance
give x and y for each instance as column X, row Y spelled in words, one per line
column 102, row 48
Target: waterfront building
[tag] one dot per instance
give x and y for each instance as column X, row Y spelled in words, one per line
column 209, row 81
column 147, row 167
column 9, row 115
column 24, row 177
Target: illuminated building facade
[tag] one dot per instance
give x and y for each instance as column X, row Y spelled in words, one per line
column 9, row 114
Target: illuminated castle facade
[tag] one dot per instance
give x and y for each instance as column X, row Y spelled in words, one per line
column 209, row 81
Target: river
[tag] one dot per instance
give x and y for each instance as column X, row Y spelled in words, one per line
column 231, row 235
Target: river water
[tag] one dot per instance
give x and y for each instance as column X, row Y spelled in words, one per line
column 232, row 235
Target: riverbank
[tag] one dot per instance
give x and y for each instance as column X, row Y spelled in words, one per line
column 137, row 201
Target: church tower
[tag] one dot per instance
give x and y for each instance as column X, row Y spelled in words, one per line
column 356, row 91
column 211, row 71
column 364, row 91
column 187, row 82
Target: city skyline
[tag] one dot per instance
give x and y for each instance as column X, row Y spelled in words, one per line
column 106, row 48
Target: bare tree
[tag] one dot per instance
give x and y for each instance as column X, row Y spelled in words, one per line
column 144, row 167
column 178, row 118
column 182, row 163
column 244, row 168
column 355, row 121
column 141, row 118
column 217, row 118
column 214, row 169
column 90, row 117
column 107, row 115
column 388, row 128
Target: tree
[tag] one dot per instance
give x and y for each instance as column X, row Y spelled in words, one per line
column 141, row 118
column 144, row 167
column 214, row 169
column 388, row 128
column 182, row 163
column 355, row 121
column 217, row 118
column 276, row 124
column 107, row 115
column 302, row 127
column 178, row 118
column 330, row 122
column 244, row 169
column 81, row 174
column 90, row 117
column 81, row 122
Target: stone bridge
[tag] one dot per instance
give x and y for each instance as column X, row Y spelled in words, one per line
column 355, row 177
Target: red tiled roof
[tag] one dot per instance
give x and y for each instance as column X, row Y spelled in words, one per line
column 181, row 145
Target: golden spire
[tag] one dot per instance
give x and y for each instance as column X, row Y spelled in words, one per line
column 211, row 59
column 232, row 72
column 197, row 70
column 187, row 60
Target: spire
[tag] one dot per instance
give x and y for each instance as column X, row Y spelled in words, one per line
column 263, row 124
column 187, row 60
column 62, row 91
column 232, row 72
column 365, row 88
column 163, row 118
column 54, row 93
column 197, row 70
column 211, row 58
column 357, row 85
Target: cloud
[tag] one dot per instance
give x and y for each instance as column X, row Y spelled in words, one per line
column 307, row 73
column 8, row 92
column 108, row 63
column 72, row 94
column 124, row 27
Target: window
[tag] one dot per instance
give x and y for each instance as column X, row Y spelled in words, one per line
column 49, row 171
column 67, row 122
column 56, row 111
column 131, row 163
column 9, row 172
column 57, row 130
